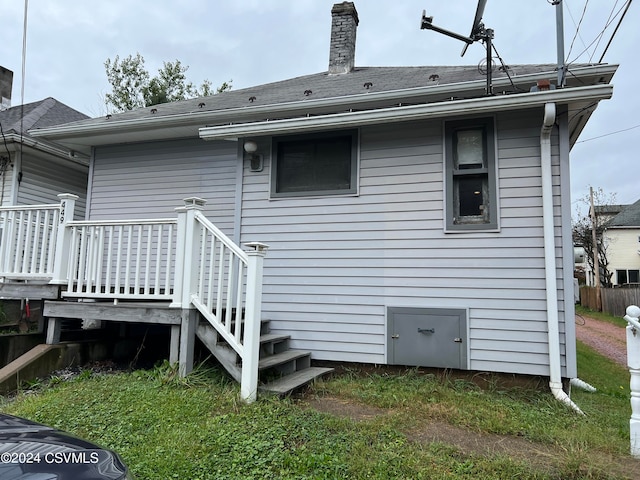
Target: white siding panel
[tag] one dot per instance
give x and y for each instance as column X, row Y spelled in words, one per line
column 151, row 180
column 343, row 260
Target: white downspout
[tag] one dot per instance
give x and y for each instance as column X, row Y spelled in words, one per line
column 555, row 376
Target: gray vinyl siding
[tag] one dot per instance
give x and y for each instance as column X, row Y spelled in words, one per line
column 150, row 180
column 43, row 179
column 6, row 186
column 336, row 263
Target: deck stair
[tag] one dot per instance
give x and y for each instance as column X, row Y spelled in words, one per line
column 281, row 369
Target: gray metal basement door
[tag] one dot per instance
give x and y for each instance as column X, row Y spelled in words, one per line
column 427, row 337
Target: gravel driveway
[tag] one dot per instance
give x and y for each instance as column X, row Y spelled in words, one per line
column 606, row 338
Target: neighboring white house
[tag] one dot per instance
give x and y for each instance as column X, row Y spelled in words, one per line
column 623, row 239
column 412, row 219
column 35, row 171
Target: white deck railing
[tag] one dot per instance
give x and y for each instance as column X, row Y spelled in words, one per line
column 28, row 240
column 121, row 260
column 186, row 261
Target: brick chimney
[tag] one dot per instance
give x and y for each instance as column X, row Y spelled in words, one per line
column 342, row 51
column 6, row 83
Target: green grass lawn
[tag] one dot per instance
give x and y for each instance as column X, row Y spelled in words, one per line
column 197, row 428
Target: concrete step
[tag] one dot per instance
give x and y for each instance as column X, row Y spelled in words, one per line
column 288, row 383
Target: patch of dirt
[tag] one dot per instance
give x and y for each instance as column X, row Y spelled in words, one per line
column 605, row 338
column 548, row 458
column 345, row 408
column 465, row 441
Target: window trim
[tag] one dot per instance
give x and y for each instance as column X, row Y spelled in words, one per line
column 355, row 161
column 491, row 170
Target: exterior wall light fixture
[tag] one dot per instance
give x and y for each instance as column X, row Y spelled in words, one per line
column 251, row 147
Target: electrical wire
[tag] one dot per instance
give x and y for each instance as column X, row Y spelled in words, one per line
column 599, row 35
column 609, row 134
column 4, row 140
column 505, row 68
column 4, row 164
column 24, row 68
column 615, row 31
column 583, row 109
column 575, row 35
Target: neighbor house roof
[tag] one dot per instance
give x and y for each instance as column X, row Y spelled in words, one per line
column 364, row 89
column 42, row 114
column 18, row 122
column 609, row 209
column 628, row 217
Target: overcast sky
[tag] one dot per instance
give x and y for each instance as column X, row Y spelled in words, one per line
column 258, row 41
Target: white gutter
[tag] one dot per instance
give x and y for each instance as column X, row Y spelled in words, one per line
column 555, row 375
column 406, row 113
column 66, row 154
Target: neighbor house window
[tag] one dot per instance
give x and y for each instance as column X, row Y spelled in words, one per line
column 322, row 164
column 624, row 277
column 470, row 165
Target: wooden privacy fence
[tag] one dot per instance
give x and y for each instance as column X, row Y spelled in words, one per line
column 614, row 300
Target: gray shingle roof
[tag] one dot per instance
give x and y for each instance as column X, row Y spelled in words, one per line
column 628, row 217
column 322, row 85
column 45, row 113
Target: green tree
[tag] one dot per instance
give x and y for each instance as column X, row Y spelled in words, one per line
column 133, row 87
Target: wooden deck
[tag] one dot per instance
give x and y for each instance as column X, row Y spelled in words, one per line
column 15, row 290
column 177, row 272
column 182, row 321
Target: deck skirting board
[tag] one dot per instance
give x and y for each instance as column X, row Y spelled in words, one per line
column 136, row 313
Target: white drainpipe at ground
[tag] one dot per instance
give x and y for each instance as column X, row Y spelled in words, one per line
column 555, row 376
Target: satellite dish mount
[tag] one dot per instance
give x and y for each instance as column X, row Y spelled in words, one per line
column 478, row 33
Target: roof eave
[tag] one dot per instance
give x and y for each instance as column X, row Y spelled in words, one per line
column 73, row 133
column 14, row 140
column 482, row 105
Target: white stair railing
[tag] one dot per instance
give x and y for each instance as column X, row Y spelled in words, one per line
column 225, row 284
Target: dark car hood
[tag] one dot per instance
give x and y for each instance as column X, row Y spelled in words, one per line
column 29, row 450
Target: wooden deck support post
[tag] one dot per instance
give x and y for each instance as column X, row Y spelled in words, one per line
column 186, row 280
column 252, row 321
column 63, row 240
column 54, row 326
column 187, row 341
column 174, row 344
column 633, row 361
